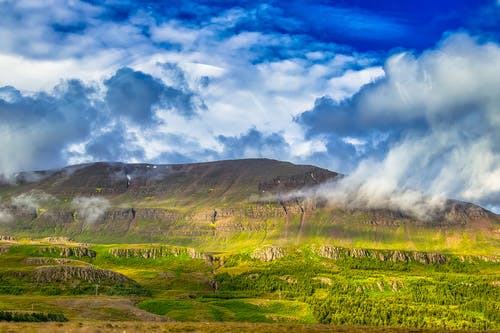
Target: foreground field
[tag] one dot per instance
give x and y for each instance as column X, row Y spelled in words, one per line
column 139, row 327
column 160, row 288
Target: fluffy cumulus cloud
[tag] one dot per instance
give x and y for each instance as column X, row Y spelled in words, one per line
column 156, row 85
column 440, row 113
column 170, row 82
column 36, row 128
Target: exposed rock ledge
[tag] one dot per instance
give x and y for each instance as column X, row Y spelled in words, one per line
column 78, row 252
column 269, row 253
column 158, row 252
column 333, row 252
column 52, row 261
column 49, row 274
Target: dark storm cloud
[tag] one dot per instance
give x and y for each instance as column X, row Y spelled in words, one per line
column 135, row 95
column 36, row 129
column 253, row 144
column 112, row 145
column 355, row 116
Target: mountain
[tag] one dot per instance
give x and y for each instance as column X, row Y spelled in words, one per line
column 224, row 205
column 224, row 181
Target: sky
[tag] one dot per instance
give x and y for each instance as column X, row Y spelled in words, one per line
column 396, row 94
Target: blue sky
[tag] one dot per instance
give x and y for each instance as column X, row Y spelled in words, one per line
column 399, row 94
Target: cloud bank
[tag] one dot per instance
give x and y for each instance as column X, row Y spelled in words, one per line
column 440, row 113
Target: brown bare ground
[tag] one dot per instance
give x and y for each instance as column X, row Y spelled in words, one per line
column 152, row 327
column 103, row 308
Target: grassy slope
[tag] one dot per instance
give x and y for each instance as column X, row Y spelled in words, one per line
column 320, row 227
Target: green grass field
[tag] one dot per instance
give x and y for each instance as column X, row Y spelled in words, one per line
column 299, row 288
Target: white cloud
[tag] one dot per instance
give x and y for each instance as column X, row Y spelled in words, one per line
column 351, row 81
column 90, row 210
column 173, row 32
column 445, row 105
column 37, row 74
column 198, row 70
column 303, row 149
column 5, row 216
column 32, row 200
column 354, row 141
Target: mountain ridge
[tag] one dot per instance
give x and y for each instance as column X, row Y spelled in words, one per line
column 218, row 203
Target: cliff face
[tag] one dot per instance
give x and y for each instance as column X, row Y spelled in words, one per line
column 158, row 252
column 336, row 253
column 269, row 253
column 63, row 273
column 78, row 252
column 290, row 220
column 37, row 261
column 454, row 213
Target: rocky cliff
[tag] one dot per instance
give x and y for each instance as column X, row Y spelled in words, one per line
column 336, row 253
column 63, row 273
column 62, row 251
column 268, row 253
column 158, row 252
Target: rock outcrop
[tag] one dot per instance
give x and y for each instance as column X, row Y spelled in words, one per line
column 51, row 261
column 472, row 259
column 57, row 239
column 336, row 253
column 78, row 252
column 158, row 252
column 63, row 273
column 4, row 249
column 269, row 253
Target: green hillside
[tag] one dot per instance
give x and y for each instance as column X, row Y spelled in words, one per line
column 305, row 284
column 225, row 205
